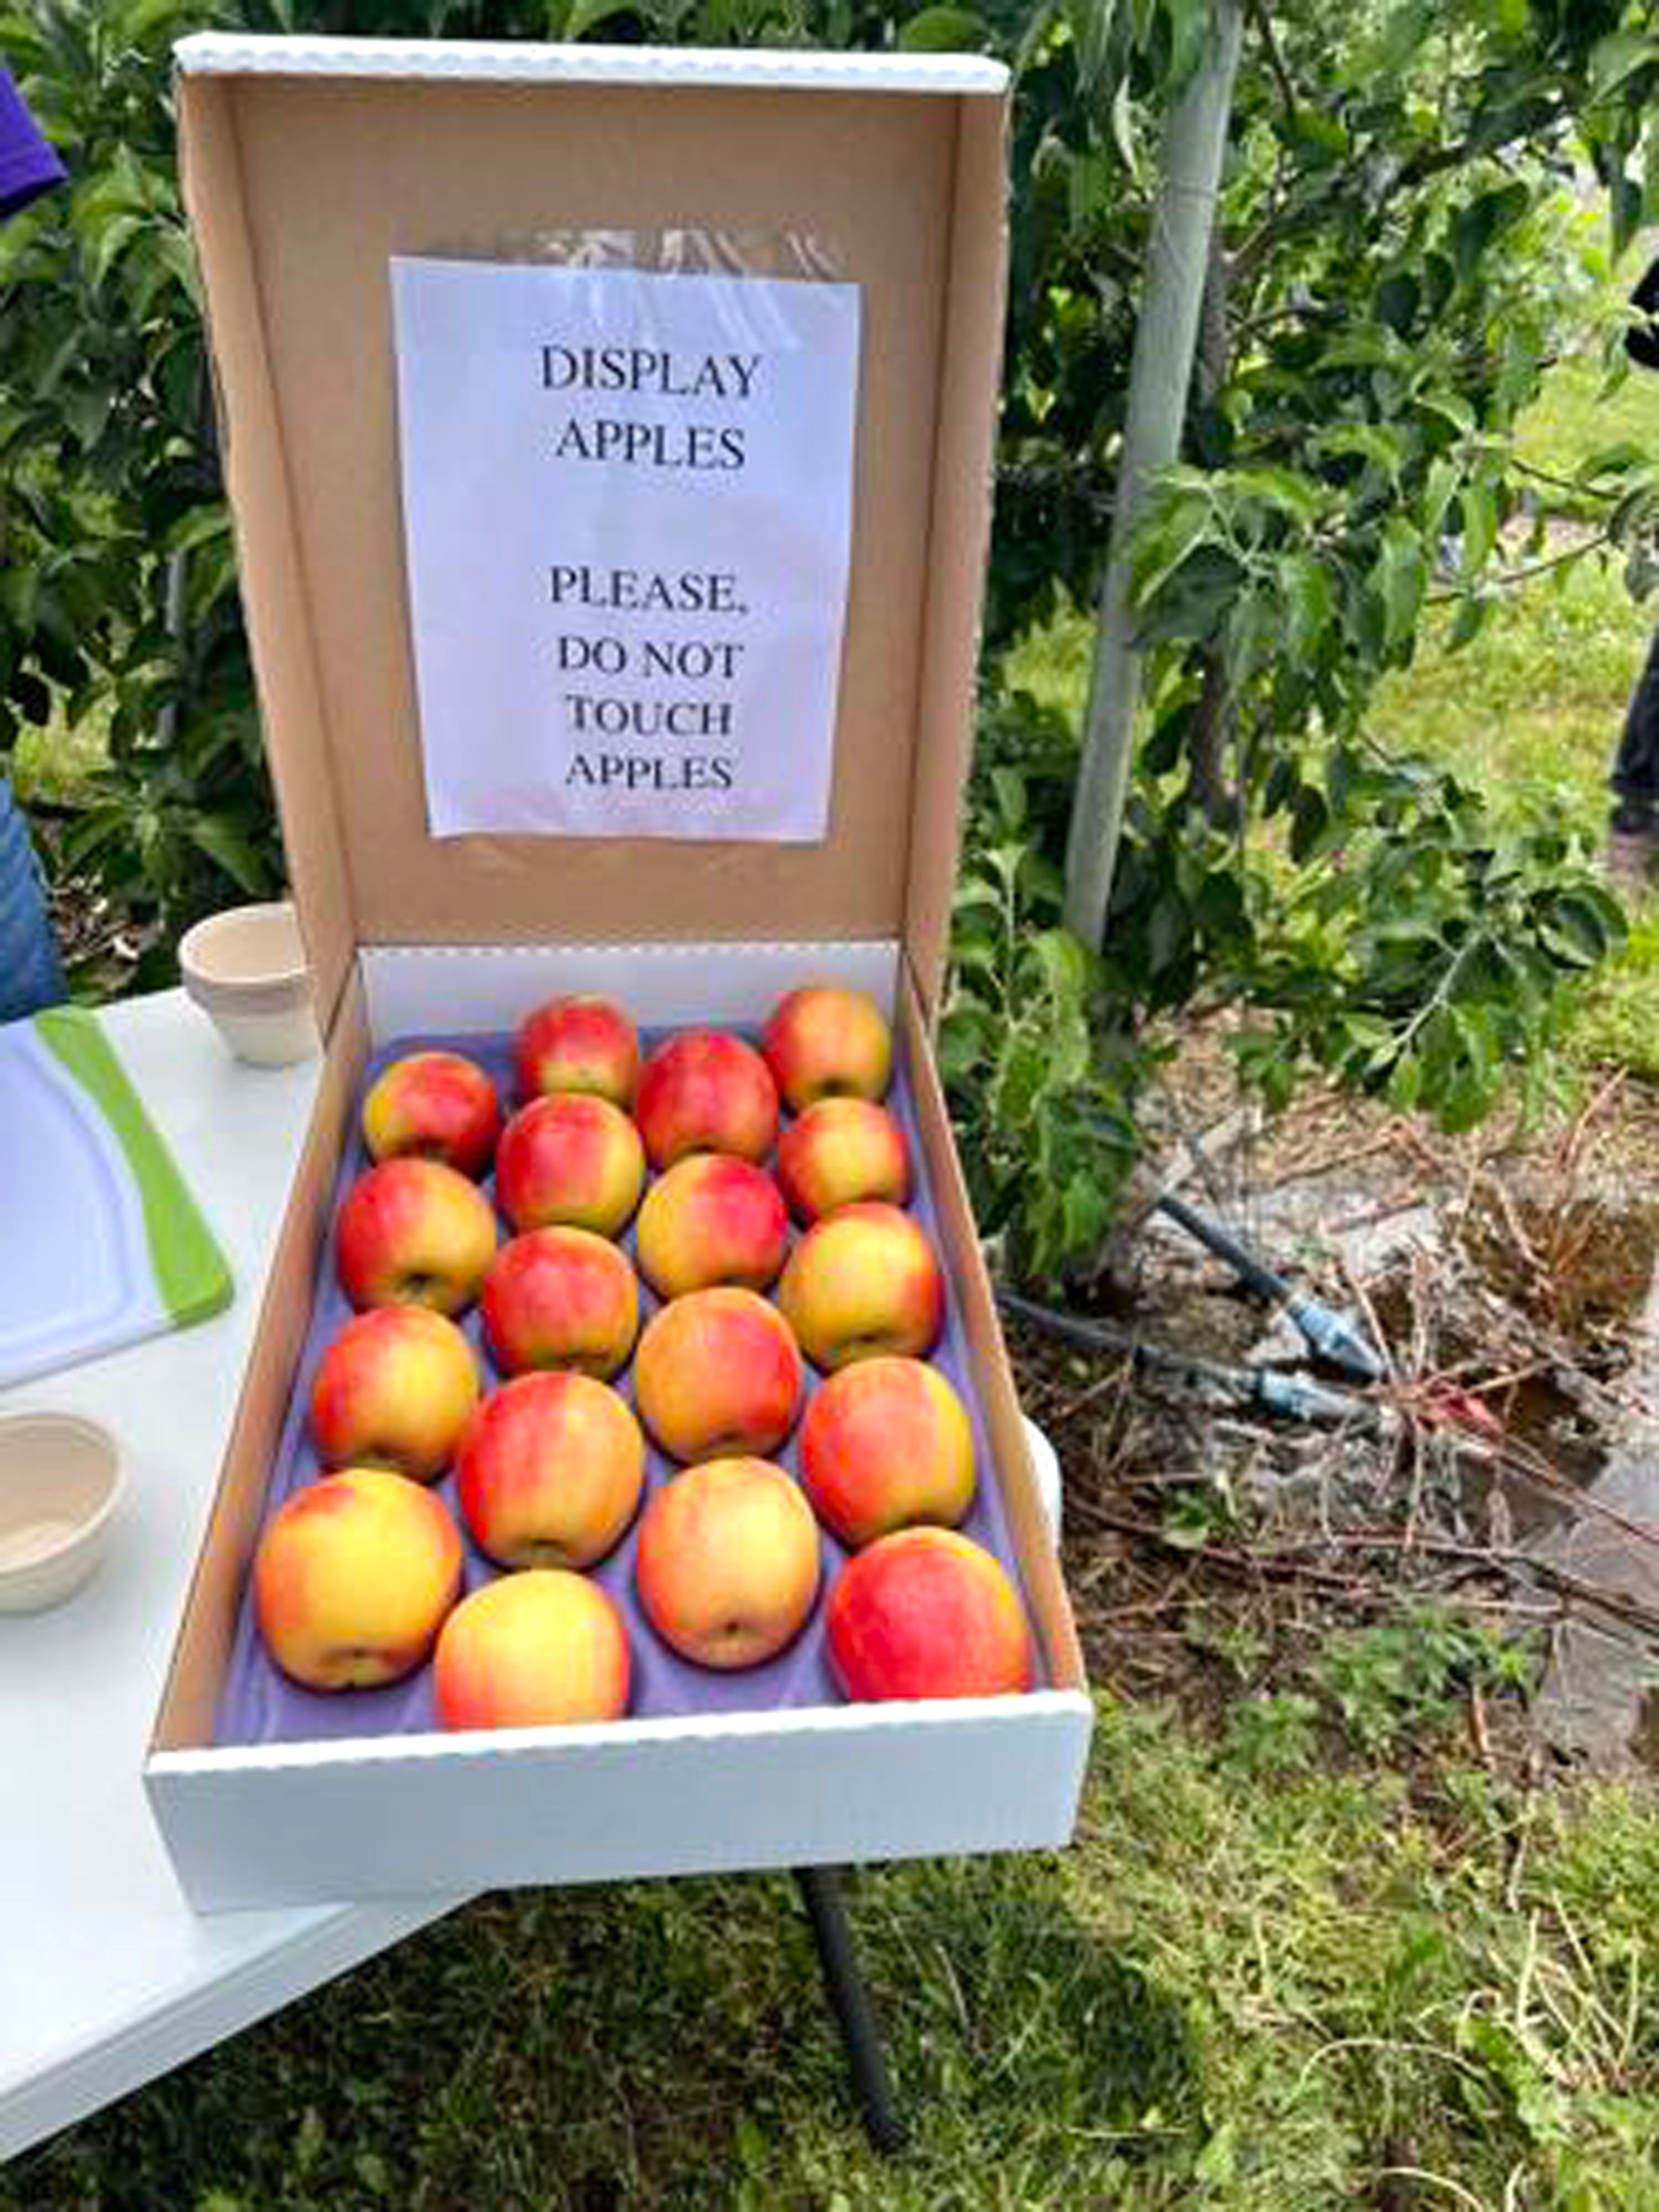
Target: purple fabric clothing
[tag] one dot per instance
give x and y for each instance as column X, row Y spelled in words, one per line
column 27, row 165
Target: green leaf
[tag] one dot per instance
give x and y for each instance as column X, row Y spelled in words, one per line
column 1383, row 449
column 1470, row 620
column 1442, row 480
column 1478, row 506
column 111, row 240
column 585, row 15
column 1279, row 489
column 202, row 525
column 1310, row 603
column 961, row 1043
column 1172, row 531
column 1401, row 577
column 1622, row 56
column 1310, row 821
column 942, row 30
column 1085, row 1210
column 225, row 842
column 1475, row 227
column 1065, row 965
column 1008, row 785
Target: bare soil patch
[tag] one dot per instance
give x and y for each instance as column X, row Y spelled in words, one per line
column 1506, row 1464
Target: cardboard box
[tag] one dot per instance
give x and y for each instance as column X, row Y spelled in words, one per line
column 307, row 163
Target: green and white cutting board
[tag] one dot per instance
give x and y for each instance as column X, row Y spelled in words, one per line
column 100, row 1241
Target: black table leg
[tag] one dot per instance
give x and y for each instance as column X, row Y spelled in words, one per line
column 855, row 2016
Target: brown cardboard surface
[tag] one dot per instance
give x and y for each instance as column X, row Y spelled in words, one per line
column 301, row 189
column 202, row 1648
column 959, row 540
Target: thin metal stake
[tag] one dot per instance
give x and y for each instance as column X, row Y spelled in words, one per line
column 850, row 2001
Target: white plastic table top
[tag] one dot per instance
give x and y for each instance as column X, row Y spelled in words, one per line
column 107, row 1977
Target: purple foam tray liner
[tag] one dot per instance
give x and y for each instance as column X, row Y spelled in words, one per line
column 258, row 1704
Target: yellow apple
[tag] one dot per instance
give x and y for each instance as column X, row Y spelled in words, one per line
column 717, row 1374
column 839, row 1152
column 353, row 1577
column 826, row 1042
column 863, row 1281
column 395, row 1388
column 544, row 1649
column 727, row 1562
column 711, row 1219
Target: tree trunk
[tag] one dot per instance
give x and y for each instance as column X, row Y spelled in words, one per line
column 1215, row 724
column 1194, row 143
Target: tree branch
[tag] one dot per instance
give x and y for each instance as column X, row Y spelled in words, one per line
column 1525, row 575
column 1258, row 14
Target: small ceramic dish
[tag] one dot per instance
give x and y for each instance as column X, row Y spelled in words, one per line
column 245, row 969
column 1045, row 1465
column 59, row 1480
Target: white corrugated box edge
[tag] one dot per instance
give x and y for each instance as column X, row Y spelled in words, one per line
column 469, row 61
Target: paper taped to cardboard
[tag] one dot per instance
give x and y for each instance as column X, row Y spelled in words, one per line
column 628, row 509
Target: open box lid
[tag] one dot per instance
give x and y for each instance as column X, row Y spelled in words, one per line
column 309, row 162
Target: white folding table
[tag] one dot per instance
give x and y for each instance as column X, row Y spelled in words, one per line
column 108, row 1978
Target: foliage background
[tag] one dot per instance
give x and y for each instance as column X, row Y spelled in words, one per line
column 1396, row 268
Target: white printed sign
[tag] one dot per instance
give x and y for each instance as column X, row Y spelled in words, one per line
column 627, row 507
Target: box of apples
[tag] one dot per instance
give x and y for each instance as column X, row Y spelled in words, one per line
column 627, row 1477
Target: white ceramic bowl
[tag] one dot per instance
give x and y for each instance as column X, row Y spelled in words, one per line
column 1045, row 1465
column 245, row 969
column 59, row 1480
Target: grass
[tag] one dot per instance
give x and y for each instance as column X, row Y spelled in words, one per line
column 55, row 764
column 1273, row 1996
column 1530, row 712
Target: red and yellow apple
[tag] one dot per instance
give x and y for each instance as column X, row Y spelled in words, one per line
column 826, row 1042
column 861, row 1282
column 706, row 1090
column 433, row 1106
column 711, row 1219
column 538, row 1650
column 414, row 1233
column 561, row 1298
column 395, row 1388
column 550, row 1471
column 718, row 1375
column 886, row 1443
column 353, row 1578
column 571, row 1159
column 727, row 1562
column 578, row 1043
column 926, row 1613
column 839, row 1152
